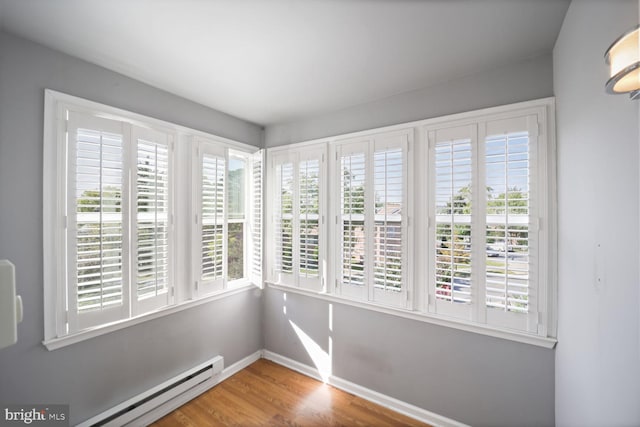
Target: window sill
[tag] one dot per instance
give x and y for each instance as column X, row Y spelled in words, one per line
column 426, row 317
column 59, row 342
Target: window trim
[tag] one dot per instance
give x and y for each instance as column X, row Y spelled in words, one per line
column 547, row 295
column 54, row 207
column 59, row 342
column 431, row 318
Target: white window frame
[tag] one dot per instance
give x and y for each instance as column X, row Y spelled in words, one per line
column 540, row 323
column 183, row 294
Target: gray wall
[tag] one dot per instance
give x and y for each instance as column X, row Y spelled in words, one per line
column 98, row 373
column 598, row 353
column 517, row 82
column 472, row 378
column 475, row 379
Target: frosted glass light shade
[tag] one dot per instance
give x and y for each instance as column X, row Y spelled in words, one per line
column 623, row 57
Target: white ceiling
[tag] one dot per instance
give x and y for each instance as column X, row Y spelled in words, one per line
column 274, row 61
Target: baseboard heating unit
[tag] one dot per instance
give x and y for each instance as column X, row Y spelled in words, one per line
column 161, row 399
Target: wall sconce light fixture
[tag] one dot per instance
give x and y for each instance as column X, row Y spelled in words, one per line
column 623, row 57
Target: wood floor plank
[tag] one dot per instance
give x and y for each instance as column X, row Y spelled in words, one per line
column 268, row 394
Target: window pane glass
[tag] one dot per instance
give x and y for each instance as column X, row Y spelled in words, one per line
column 236, row 187
column 256, row 223
column 235, row 229
column 507, row 231
column 235, row 250
column 99, row 238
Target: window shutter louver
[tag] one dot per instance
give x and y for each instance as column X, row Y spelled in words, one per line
column 510, row 226
column 309, row 190
column 152, row 272
column 308, row 227
column 284, row 222
column 483, row 241
column 298, row 229
column 353, row 172
column 97, row 223
column 212, row 224
column 453, row 151
column 256, row 217
column 372, row 209
column 388, row 247
column 507, row 233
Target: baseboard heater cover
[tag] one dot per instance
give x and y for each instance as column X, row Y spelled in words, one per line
column 141, row 404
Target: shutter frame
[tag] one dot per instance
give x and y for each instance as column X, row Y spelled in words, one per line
column 161, row 143
column 82, row 319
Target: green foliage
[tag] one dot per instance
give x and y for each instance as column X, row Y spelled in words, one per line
column 235, row 191
column 110, row 197
column 352, row 194
column 235, row 251
column 514, row 199
column 453, row 243
column 309, row 194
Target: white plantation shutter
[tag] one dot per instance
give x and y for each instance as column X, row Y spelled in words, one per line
column 352, row 256
column 283, row 220
column 510, row 165
column 152, row 273
column 453, row 151
column 309, row 230
column 97, row 262
column 483, row 234
column 298, row 229
column 389, row 253
column 372, row 254
column 211, row 262
column 113, row 180
column 388, row 247
column 257, row 174
column 308, row 185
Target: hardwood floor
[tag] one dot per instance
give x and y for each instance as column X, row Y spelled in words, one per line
column 267, row 394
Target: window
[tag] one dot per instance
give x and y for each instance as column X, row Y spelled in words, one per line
column 455, row 228
column 142, row 217
column 298, row 231
column 228, row 219
column 485, row 242
column 111, row 217
column 371, row 255
column 113, row 181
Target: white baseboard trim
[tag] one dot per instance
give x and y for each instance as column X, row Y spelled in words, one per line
column 365, row 393
column 191, row 394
